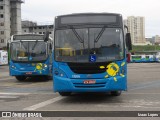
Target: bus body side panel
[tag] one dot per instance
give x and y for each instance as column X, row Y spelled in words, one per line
column 29, row 69
column 67, row 81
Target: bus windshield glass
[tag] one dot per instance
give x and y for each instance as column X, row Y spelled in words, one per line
column 28, row 51
column 76, row 45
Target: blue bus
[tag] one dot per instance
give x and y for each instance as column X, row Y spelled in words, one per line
column 30, row 56
column 143, row 58
column 90, row 53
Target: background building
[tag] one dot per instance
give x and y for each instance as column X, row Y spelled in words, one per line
column 157, row 39
column 136, row 27
column 150, row 41
column 33, row 27
column 10, row 19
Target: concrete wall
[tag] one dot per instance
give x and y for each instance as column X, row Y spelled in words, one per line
column 36, row 29
column 5, row 23
column 15, row 18
column 11, row 21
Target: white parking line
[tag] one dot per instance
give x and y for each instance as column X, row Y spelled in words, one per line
column 7, row 96
column 141, row 93
column 7, row 78
column 5, row 93
column 42, row 104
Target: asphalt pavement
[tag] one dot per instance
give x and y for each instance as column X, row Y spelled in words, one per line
column 37, row 95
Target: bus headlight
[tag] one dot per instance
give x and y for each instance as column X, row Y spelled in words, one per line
column 62, row 73
column 45, row 66
column 13, row 67
column 59, row 73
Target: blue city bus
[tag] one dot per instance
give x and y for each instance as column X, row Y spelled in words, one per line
column 143, row 58
column 90, row 53
column 30, row 56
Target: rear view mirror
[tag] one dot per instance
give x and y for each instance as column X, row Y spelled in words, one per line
column 128, row 41
column 8, row 50
column 7, row 46
column 50, row 46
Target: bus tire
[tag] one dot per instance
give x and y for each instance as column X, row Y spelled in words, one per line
column 20, row 78
column 116, row 93
column 65, row 93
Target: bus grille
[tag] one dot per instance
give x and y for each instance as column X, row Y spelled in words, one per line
column 81, row 85
column 87, row 68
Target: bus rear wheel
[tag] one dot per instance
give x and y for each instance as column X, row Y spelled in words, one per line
column 116, row 93
column 20, row 78
column 65, row 93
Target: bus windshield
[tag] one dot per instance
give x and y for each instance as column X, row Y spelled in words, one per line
column 75, row 45
column 28, row 51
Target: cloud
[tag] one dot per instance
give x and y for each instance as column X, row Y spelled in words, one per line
column 46, row 10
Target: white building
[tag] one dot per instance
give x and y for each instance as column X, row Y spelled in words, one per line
column 136, row 27
column 157, row 39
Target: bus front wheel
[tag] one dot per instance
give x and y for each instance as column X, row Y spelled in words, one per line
column 20, row 78
column 116, row 93
column 65, row 93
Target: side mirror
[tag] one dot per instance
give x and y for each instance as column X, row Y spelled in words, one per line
column 128, row 41
column 8, row 49
column 46, row 36
column 50, row 46
column 7, row 46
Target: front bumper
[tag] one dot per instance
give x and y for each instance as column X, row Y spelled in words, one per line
column 102, row 85
column 16, row 72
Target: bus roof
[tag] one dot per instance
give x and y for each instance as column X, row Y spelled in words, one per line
column 78, row 19
column 17, row 37
column 74, row 14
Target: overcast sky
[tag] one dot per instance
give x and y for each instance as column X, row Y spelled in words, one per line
column 44, row 11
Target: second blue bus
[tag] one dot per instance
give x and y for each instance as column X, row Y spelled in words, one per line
column 30, row 56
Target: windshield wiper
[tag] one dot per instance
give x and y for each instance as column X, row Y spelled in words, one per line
column 77, row 35
column 23, row 45
column 100, row 34
column 34, row 45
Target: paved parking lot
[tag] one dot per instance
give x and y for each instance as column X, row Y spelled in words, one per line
column 143, row 94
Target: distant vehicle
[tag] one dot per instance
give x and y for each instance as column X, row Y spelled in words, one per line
column 150, row 58
column 143, row 58
column 3, row 57
column 90, row 53
column 30, row 56
column 157, row 56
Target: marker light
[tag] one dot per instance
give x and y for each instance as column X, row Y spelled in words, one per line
column 13, row 67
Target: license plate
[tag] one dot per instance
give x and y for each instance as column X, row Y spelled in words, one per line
column 28, row 73
column 89, row 81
